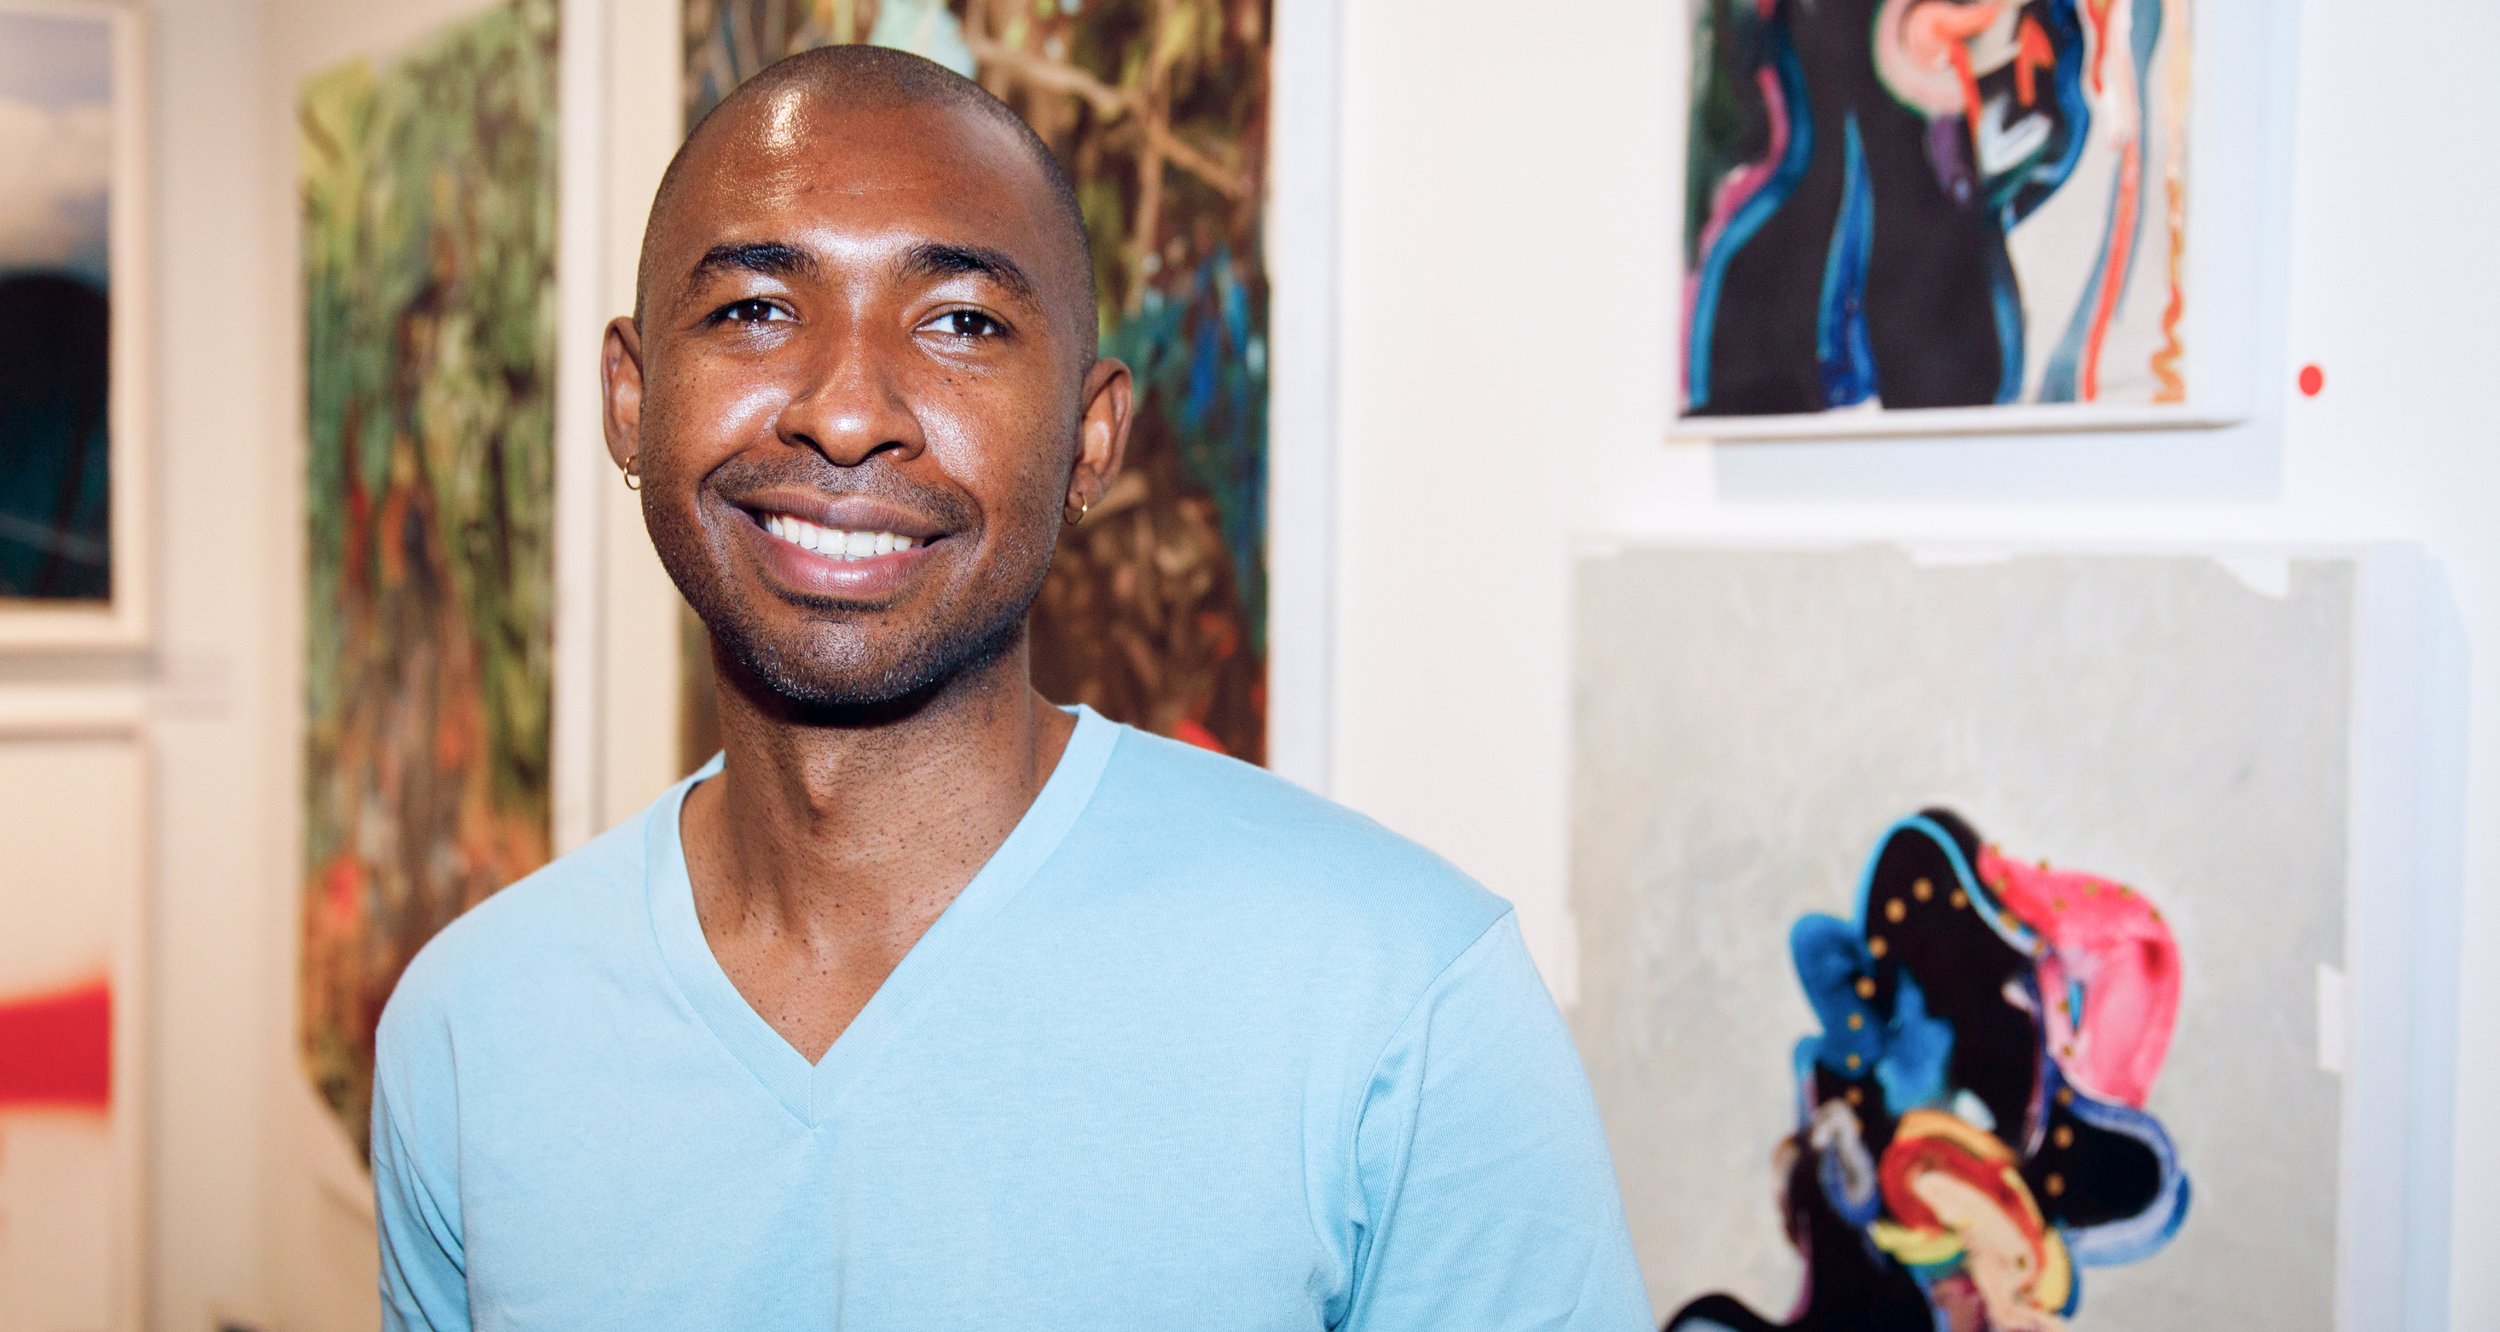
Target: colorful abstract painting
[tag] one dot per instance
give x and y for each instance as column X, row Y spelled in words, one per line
column 1155, row 610
column 1936, row 203
column 429, row 280
column 1940, row 917
column 56, row 164
column 1970, row 1117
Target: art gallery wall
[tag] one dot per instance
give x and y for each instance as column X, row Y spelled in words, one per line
column 1507, row 317
column 1505, row 321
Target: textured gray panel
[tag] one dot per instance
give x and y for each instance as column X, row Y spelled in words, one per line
column 1748, row 724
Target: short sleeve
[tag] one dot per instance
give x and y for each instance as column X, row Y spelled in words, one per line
column 416, row 1198
column 1489, row 1198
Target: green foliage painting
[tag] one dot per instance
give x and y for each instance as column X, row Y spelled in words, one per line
column 429, row 286
column 1155, row 611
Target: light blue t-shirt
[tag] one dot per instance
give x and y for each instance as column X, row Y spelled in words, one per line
column 1193, row 1051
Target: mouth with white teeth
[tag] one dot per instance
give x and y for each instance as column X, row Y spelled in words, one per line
column 835, row 543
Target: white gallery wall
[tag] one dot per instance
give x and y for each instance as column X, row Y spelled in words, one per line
column 1507, row 325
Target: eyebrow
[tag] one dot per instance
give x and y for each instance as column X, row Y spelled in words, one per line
column 768, row 258
column 926, row 259
column 938, row 259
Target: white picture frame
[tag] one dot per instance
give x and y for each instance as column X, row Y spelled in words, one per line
column 2236, row 230
column 123, row 621
column 1302, row 241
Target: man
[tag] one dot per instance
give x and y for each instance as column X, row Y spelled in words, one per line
column 932, row 1005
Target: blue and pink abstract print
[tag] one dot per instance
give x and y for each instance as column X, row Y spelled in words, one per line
column 1935, row 203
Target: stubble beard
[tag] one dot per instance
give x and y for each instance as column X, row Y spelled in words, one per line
column 843, row 670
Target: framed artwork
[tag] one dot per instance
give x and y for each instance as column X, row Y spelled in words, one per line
column 73, row 296
column 1959, row 215
column 429, row 195
column 72, row 1008
column 1157, row 609
column 2009, row 942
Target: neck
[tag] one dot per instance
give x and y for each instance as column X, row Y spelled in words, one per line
column 826, row 829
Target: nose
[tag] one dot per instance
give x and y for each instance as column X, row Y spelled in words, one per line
column 851, row 407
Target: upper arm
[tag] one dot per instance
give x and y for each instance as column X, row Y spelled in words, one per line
column 416, row 1194
column 1489, row 1197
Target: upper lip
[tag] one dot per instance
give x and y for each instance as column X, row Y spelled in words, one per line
column 849, row 513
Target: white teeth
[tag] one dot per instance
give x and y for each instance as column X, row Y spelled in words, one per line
column 834, row 543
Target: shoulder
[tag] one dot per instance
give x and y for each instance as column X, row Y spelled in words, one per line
column 584, row 905
column 1220, row 830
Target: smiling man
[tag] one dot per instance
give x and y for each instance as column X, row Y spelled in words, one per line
column 930, row 1004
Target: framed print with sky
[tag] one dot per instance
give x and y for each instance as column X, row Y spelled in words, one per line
column 73, row 480
column 1967, row 215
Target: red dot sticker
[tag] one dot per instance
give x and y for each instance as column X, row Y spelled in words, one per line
column 2312, row 381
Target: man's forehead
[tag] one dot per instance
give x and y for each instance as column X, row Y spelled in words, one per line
column 797, row 155
column 869, row 173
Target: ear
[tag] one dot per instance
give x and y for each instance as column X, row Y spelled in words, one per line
column 1102, row 433
column 620, row 387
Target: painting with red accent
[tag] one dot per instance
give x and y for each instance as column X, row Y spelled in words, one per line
column 1935, row 203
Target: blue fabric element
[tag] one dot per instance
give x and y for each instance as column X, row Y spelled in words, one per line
column 1192, row 1048
column 1847, row 361
column 1752, row 215
column 1918, row 1050
column 1829, row 961
column 1906, row 1052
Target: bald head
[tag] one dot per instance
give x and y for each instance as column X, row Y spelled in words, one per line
column 829, row 80
column 865, row 310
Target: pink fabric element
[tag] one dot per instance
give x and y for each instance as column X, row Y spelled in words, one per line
column 2114, row 944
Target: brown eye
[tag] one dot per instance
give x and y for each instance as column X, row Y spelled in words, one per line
column 749, row 312
column 966, row 324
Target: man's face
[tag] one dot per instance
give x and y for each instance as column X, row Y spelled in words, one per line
column 857, row 393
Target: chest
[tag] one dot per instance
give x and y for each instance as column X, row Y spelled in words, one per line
column 810, row 996
column 1003, row 1202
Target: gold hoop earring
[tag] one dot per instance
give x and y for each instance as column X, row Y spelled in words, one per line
column 633, row 472
column 1081, row 510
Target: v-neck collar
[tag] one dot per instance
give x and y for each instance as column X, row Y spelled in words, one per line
column 810, row 1091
